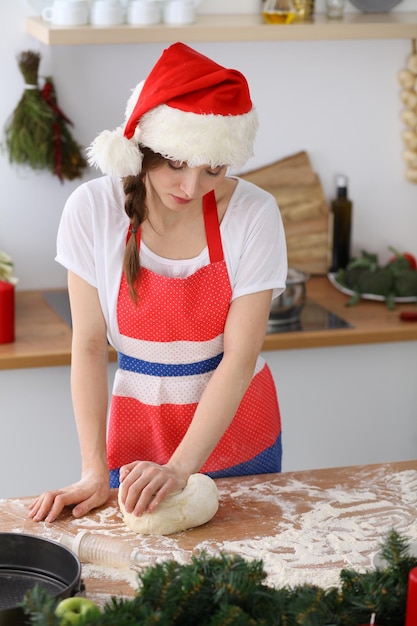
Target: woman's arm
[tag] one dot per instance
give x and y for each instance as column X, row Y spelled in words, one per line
column 89, row 361
column 145, row 485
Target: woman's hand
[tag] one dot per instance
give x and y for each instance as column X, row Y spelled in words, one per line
column 87, row 494
column 144, row 485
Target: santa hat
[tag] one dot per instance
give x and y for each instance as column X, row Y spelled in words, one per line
column 189, row 109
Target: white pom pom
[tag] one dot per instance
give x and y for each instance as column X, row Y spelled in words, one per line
column 114, row 154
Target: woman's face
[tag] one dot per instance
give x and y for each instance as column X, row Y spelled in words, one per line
column 179, row 186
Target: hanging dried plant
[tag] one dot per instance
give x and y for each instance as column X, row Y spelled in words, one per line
column 37, row 133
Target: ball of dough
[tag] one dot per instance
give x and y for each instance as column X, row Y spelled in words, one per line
column 195, row 505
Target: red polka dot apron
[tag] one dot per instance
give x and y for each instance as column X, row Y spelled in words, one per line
column 171, row 343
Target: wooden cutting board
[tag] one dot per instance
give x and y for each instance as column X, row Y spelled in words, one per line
column 305, row 212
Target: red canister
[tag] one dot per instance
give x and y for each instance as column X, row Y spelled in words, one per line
column 6, row 312
column 411, row 609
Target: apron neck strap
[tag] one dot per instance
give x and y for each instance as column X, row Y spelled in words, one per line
column 211, row 222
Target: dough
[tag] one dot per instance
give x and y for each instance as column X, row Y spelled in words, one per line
column 196, row 504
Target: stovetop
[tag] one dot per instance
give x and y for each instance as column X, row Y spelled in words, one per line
column 313, row 317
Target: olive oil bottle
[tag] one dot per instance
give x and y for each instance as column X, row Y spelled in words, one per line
column 278, row 11
column 341, row 209
column 285, row 11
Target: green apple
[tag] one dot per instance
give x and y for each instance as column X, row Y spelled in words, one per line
column 70, row 610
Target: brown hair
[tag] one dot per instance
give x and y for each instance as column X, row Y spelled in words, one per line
column 135, row 207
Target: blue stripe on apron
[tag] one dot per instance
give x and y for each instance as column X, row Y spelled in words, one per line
column 167, row 369
column 266, row 462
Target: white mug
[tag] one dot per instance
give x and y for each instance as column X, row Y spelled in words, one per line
column 107, row 13
column 143, row 12
column 179, row 12
column 67, row 13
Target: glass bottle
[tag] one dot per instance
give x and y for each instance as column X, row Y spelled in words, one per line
column 285, row 11
column 341, row 210
column 335, row 9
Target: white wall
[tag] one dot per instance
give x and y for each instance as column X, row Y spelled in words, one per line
column 337, row 100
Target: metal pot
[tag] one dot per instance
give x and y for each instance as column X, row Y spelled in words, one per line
column 286, row 308
column 25, row 561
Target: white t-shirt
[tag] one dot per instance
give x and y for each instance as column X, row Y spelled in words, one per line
column 92, row 239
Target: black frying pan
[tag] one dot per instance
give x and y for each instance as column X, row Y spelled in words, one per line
column 26, row 560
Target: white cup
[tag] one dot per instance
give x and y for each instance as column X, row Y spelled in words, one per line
column 107, row 13
column 143, row 12
column 67, row 13
column 179, row 12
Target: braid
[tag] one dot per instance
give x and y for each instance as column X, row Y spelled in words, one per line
column 135, row 207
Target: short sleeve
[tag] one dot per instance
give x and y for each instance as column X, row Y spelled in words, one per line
column 254, row 242
column 75, row 239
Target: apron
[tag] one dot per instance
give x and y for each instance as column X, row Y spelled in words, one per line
column 171, row 343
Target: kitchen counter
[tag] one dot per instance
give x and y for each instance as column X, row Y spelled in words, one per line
column 43, row 339
column 305, row 526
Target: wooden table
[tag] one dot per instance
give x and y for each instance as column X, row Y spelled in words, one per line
column 305, row 526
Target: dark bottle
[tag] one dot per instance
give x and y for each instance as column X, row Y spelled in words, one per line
column 341, row 208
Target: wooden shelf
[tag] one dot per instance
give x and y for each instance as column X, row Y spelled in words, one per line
column 211, row 28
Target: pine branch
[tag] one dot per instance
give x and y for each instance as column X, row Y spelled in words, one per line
column 229, row 591
column 39, row 606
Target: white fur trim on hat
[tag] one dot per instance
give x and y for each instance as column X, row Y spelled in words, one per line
column 179, row 136
column 114, row 154
column 198, row 139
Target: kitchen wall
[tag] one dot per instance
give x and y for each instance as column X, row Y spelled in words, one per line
column 339, row 101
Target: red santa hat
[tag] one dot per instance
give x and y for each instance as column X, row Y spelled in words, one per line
column 189, row 109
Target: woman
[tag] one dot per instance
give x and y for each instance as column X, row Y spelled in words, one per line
column 174, row 263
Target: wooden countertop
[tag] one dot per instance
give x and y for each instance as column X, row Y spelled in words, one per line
column 372, row 322
column 44, row 339
column 305, row 526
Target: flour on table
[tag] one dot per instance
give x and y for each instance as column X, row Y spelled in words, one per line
column 316, row 533
column 344, row 531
